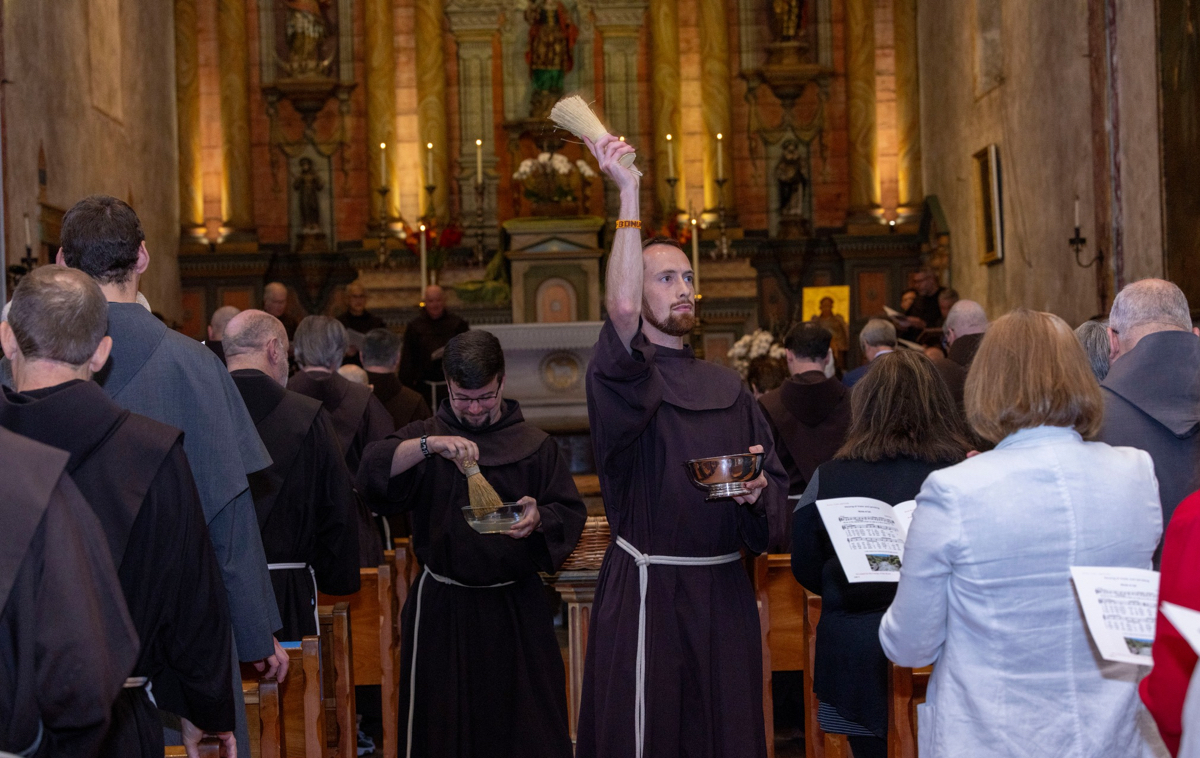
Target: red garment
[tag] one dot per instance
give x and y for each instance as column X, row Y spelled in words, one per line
column 1164, row 689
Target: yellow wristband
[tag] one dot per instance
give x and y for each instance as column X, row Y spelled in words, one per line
column 624, row 224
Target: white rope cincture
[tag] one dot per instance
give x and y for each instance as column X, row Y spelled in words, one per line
column 643, row 563
column 313, row 574
column 412, row 674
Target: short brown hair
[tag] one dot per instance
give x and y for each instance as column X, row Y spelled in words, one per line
column 661, row 240
column 901, row 408
column 101, row 236
column 58, row 314
column 1029, row 371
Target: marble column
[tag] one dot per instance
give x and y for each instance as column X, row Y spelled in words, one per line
column 431, row 103
column 908, row 105
column 714, row 94
column 380, row 64
column 664, row 34
column 187, row 109
column 237, row 199
column 474, row 29
column 620, row 26
column 860, row 83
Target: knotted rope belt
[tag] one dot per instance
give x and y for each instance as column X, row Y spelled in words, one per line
column 311, row 573
column 412, row 676
column 644, row 562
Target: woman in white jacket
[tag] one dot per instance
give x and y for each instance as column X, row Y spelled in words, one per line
column 985, row 590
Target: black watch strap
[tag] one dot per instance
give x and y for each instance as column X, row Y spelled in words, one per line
column 425, row 446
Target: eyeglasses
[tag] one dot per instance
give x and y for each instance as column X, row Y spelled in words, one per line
column 485, row 401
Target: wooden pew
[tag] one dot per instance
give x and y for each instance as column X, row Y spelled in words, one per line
column 301, row 708
column 263, row 717
column 337, row 659
column 817, row 744
column 210, row 747
column 781, row 602
column 405, row 568
column 375, row 639
column 906, row 690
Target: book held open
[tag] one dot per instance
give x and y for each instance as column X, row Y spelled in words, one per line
column 1120, row 606
column 868, row 536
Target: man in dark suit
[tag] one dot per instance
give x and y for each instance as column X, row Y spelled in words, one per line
column 876, row 338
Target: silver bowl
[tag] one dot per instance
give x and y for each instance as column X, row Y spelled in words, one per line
column 726, row 475
column 498, row 521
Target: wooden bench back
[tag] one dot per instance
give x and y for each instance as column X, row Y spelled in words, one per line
column 301, row 706
column 263, row 717
column 906, row 690
column 338, row 680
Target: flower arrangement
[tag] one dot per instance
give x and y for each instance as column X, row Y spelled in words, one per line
column 550, row 179
column 751, row 346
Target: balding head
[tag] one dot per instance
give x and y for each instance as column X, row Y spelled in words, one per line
column 965, row 317
column 257, row 340
column 356, row 374
column 435, row 301
column 219, row 320
column 275, row 297
column 55, row 328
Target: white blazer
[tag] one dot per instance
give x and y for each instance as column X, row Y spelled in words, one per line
column 986, row 595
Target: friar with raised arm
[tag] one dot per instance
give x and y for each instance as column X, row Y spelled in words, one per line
column 674, row 660
column 481, row 669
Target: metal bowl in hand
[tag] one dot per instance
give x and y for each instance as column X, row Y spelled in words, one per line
column 726, row 475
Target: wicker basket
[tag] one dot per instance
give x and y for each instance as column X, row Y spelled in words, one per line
column 589, row 553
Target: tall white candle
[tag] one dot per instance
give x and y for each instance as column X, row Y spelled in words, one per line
column 720, row 157
column 429, row 162
column 383, row 182
column 670, row 158
column 695, row 257
column 424, row 265
column 1076, row 213
column 28, row 239
column 479, row 161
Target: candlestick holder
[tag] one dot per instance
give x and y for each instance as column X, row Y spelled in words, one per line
column 697, row 329
column 382, row 254
column 29, row 262
column 673, row 211
column 723, row 241
column 429, row 214
column 1077, row 243
column 480, row 189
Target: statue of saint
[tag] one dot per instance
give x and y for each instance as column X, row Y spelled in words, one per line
column 308, row 186
column 550, row 56
column 788, row 18
column 307, row 29
column 791, row 181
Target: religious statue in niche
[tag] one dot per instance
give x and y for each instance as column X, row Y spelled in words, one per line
column 552, row 37
column 308, row 28
column 791, row 185
column 308, row 186
column 788, row 18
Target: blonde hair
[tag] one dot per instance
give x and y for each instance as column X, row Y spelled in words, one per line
column 1030, row 371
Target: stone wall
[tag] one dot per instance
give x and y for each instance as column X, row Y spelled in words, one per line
column 1040, row 113
column 92, row 84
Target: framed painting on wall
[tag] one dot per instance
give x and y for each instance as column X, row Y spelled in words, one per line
column 989, row 204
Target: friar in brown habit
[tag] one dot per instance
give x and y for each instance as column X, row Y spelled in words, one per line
column 135, row 476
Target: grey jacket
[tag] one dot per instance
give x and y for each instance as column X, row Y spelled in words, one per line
column 1152, row 402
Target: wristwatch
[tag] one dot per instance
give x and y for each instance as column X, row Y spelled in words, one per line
column 425, row 446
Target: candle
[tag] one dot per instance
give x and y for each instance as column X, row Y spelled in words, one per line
column 479, row 161
column 720, row 157
column 695, row 258
column 28, row 239
column 424, row 264
column 1077, row 214
column 429, row 168
column 670, row 158
column 383, row 164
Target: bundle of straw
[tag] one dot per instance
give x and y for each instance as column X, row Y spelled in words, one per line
column 574, row 115
column 481, row 495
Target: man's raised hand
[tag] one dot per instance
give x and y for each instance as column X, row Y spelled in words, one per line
column 608, row 151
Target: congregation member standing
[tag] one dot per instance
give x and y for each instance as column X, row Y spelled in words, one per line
column 134, row 474
column 67, row 644
column 481, row 671
column 808, row 417
column 275, row 302
column 1093, row 335
column 177, row 381
column 424, row 338
column 965, row 326
column 985, row 589
column 924, row 313
column 1152, row 390
column 877, row 338
column 305, row 501
column 216, row 329
column 381, row 358
column 357, row 318
column 904, row 427
column 674, row 660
